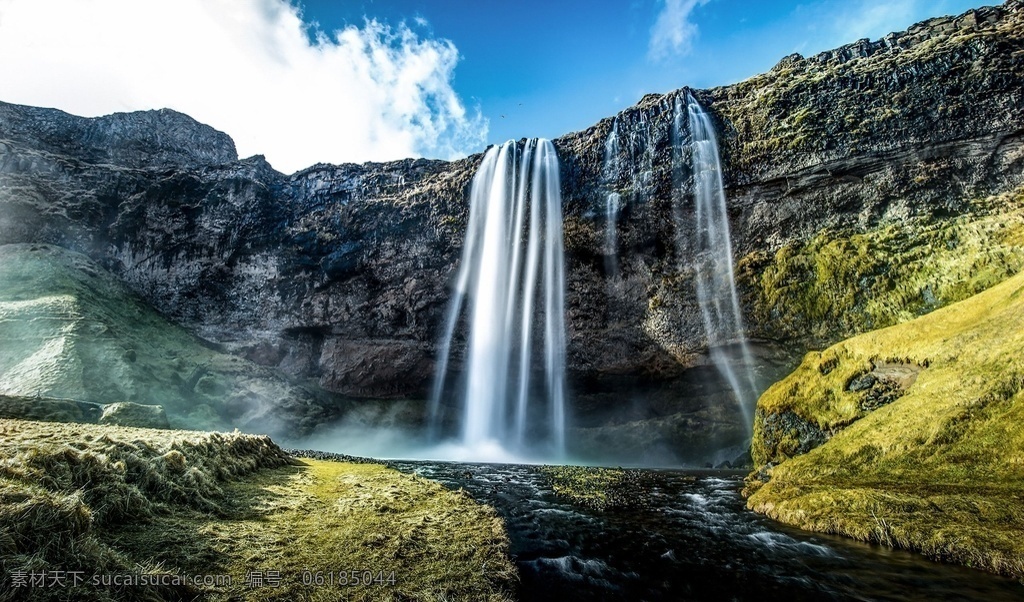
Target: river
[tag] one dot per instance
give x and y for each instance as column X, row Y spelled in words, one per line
column 695, row 540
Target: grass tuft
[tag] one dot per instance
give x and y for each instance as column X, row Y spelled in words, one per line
column 599, row 488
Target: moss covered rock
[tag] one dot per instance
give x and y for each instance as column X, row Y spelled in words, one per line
column 846, row 281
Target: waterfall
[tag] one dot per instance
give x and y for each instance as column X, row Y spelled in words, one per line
column 515, row 196
column 715, row 278
column 610, row 177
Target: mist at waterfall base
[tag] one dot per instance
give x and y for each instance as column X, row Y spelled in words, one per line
column 506, row 401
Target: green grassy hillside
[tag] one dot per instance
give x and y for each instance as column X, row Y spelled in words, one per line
column 841, row 283
column 915, row 435
column 69, row 329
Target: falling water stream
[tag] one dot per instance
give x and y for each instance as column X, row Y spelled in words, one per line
column 610, row 176
column 511, row 282
column 714, row 276
column 510, row 286
column 691, row 538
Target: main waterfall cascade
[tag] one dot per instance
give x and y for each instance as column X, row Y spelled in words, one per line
column 505, row 286
column 510, row 290
column 714, row 274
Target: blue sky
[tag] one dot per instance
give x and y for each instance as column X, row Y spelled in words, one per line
column 545, row 68
column 306, row 81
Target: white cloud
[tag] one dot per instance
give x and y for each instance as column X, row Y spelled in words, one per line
column 875, row 18
column 246, row 67
column 673, row 31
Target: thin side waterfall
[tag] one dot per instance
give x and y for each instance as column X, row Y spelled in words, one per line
column 515, row 197
column 610, row 176
column 715, row 277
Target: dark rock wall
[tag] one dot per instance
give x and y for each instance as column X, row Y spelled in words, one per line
column 138, row 140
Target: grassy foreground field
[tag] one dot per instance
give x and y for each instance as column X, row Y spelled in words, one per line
column 214, row 516
column 917, row 436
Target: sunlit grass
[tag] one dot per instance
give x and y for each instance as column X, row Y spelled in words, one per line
column 941, row 469
column 118, row 500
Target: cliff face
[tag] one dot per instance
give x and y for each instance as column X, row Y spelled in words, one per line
column 71, row 331
column 918, row 125
column 146, row 139
column 342, row 273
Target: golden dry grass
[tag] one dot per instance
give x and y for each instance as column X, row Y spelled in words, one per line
column 108, row 500
column 599, row 488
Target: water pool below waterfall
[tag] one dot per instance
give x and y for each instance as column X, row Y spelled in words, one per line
column 695, row 541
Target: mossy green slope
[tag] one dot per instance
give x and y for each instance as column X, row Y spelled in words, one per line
column 112, row 500
column 841, row 283
column 69, row 329
column 940, row 469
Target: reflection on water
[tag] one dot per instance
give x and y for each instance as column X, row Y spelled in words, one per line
column 695, row 541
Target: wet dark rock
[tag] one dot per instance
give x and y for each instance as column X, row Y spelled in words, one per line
column 785, row 434
column 763, row 474
column 40, row 408
column 884, row 384
column 91, row 412
column 862, row 382
column 742, row 461
column 882, row 393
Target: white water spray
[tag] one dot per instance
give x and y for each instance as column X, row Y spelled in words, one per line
column 715, row 278
column 500, row 402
